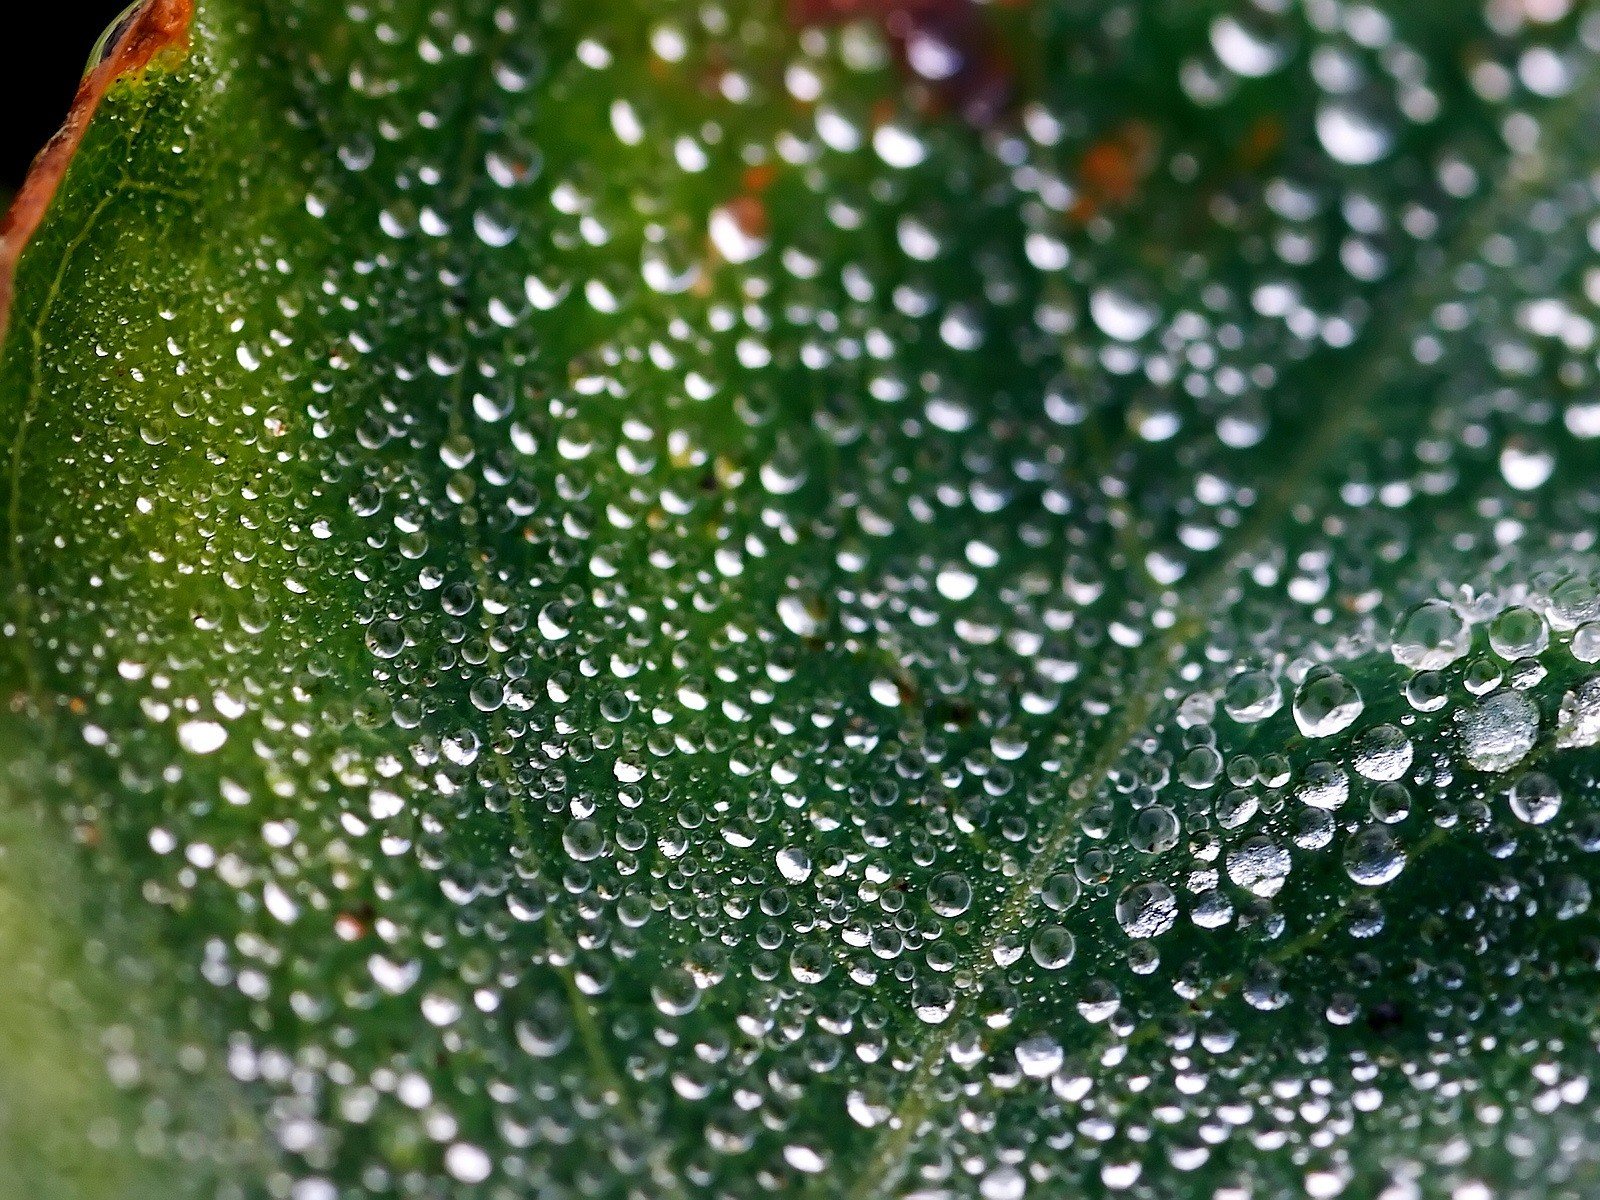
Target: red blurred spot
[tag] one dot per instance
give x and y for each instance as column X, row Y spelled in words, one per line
column 1112, row 169
column 749, row 214
column 1261, row 143
column 758, row 179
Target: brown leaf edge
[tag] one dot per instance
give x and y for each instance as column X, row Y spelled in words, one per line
column 151, row 29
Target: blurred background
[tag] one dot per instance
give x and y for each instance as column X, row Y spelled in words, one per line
column 35, row 97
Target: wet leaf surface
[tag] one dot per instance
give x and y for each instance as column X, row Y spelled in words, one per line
column 836, row 600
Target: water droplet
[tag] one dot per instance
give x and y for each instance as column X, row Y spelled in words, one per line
column 1427, row 691
column 1324, row 786
column 201, row 737
column 1039, row 1056
column 805, row 1159
column 794, row 864
column 1526, row 467
column 799, row 617
column 1578, row 723
column 949, row 894
column 1383, row 753
column 1518, row 632
column 467, row 1163
column 1052, row 947
column 1352, row 135
column 1245, row 46
column 1120, row 315
column 385, row 638
column 1373, row 857
column 1431, row 636
column 737, row 233
column 1535, row 798
column 1260, row 866
column 1153, row 830
column 1498, row 733
column 1003, row 1183
column 1325, row 703
column 1252, row 696
column 1147, row 910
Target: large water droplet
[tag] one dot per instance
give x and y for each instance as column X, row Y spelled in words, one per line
column 1498, row 733
column 1535, row 798
column 1352, row 135
column 1373, row 857
column 1260, row 866
column 1383, row 753
column 1325, row 703
column 1246, row 47
column 1147, row 910
column 1431, row 636
column 949, row 894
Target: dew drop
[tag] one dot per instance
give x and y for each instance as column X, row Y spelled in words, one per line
column 201, row 737
column 1052, row 947
column 1252, row 696
column 1325, row 703
column 1498, row 733
column 1040, row 1056
column 1383, row 753
column 467, row 1163
column 794, row 864
column 1147, row 910
column 1431, row 636
column 1350, row 135
column 1524, row 467
column 1373, row 857
column 949, row 894
column 1120, row 315
column 1324, row 786
column 1260, row 866
column 1245, row 50
column 1003, row 1183
column 1154, row 830
column 1535, row 798
column 1518, row 632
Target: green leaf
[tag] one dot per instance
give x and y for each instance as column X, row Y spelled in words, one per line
column 852, row 600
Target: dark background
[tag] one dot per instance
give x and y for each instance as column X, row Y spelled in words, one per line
column 38, row 84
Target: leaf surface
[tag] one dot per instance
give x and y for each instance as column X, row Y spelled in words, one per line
column 844, row 600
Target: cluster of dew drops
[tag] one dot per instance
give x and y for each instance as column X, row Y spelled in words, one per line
column 764, row 477
column 1444, row 725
